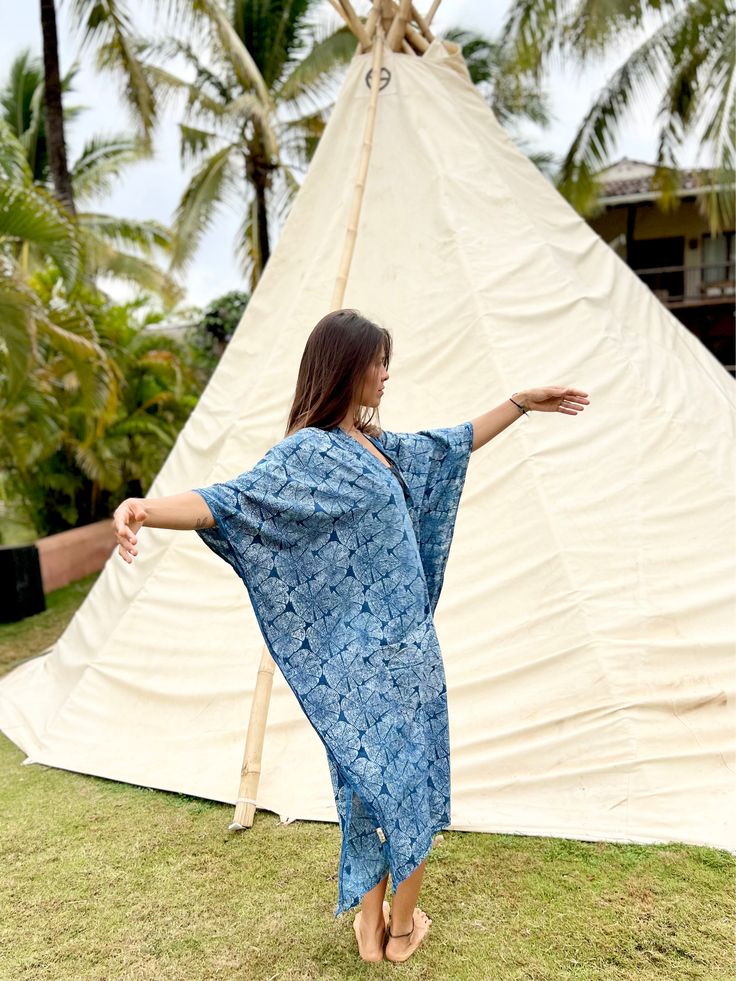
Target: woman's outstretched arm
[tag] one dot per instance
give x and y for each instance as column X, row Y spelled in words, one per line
column 494, row 421
column 552, row 398
column 182, row 512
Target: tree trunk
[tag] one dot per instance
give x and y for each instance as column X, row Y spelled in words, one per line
column 260, row 183
column 54, row 112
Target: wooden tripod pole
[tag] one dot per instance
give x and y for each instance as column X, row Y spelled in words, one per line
column 365, row 156
column 245, row 807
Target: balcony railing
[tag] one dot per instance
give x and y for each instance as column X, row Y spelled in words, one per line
column 685, row 286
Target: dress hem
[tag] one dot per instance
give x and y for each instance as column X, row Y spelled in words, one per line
column 394, row 884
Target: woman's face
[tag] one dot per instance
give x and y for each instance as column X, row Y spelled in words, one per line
column 373, row 383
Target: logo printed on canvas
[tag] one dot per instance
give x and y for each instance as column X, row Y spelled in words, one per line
column 385, row 78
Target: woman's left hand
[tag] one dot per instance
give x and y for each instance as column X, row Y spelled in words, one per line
column 555, row 398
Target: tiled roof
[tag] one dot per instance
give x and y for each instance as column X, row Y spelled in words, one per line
column 633, row 178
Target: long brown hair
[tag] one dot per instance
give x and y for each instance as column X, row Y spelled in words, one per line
column 338, row 352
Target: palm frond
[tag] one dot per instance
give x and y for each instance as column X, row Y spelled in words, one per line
column 510, row 93
column 671, row 56
column 101, row 160
column 198, row 105
column 249, row 107
column 480, row 53
column 194, row 142
column 302, row 138
column 142, row 423
column 107, row 23
column 233, row 48
column 25, row 74
column 17, row 305
column 545, row 161
column 34, row 136
column 699, row 100
column 532, row 31
column 210, row 113
column 245, row 245
column 717, row 204
column 141, row 272
column 535, row 30
column 13, row 160
column 176, row 48
column 284, row 192
column 144, row 235
column 30, row 214
column 167, row 85
column 199, row 203
column 324, row 57
column 588, row 29
column 23, row 108
column 290, row 35
column 24, row 318
column 592, row 145
column 108, row 241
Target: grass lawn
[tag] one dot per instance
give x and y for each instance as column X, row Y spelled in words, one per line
column 106, row 880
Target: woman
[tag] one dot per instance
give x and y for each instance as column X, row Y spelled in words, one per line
column 341, row 534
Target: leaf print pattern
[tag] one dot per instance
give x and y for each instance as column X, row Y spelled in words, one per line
column 343, row 559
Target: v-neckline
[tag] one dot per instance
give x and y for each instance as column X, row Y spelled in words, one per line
column 386, row 466
column 390, row 467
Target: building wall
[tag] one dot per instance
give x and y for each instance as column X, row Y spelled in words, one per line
column 651, row 222
column 714, row 324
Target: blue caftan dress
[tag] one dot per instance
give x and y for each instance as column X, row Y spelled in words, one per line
column 343, row 558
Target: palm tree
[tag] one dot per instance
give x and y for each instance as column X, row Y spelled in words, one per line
column 66, row 453
column 107, row 24
column 33, row 333
column 54, row 112
column 115, row 247
column 90, row 402
column 31, row 220
column 511, row 96
column 79, row 461
column 23, row 109
column 690, row 57
column 257, row 75
column 259, row 70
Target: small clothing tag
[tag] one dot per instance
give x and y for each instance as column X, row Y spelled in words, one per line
column 381, row 835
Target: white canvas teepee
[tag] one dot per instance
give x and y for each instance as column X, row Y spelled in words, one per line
column 587, row 617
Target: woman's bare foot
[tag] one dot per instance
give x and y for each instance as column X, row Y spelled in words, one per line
column 370, row 942
column 399, row 949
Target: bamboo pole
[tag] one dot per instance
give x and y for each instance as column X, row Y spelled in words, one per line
column 356, row 24
column 388, row 9
column 250, row 773
column 338, row 294
column 340, row 11
column 370, row 24
column 432, row 12
column 416, row 40
column 423, row 25
column 398, row 27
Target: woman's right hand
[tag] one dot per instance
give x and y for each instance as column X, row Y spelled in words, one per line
column 127, row 519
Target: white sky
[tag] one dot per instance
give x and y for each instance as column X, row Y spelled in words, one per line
column 151, row 189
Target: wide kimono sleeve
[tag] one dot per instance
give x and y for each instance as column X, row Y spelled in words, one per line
column 265, row 511
column 245, row 510
column 434, row 464
column 222, row 500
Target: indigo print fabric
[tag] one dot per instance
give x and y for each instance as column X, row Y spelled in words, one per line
column 343, row 558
